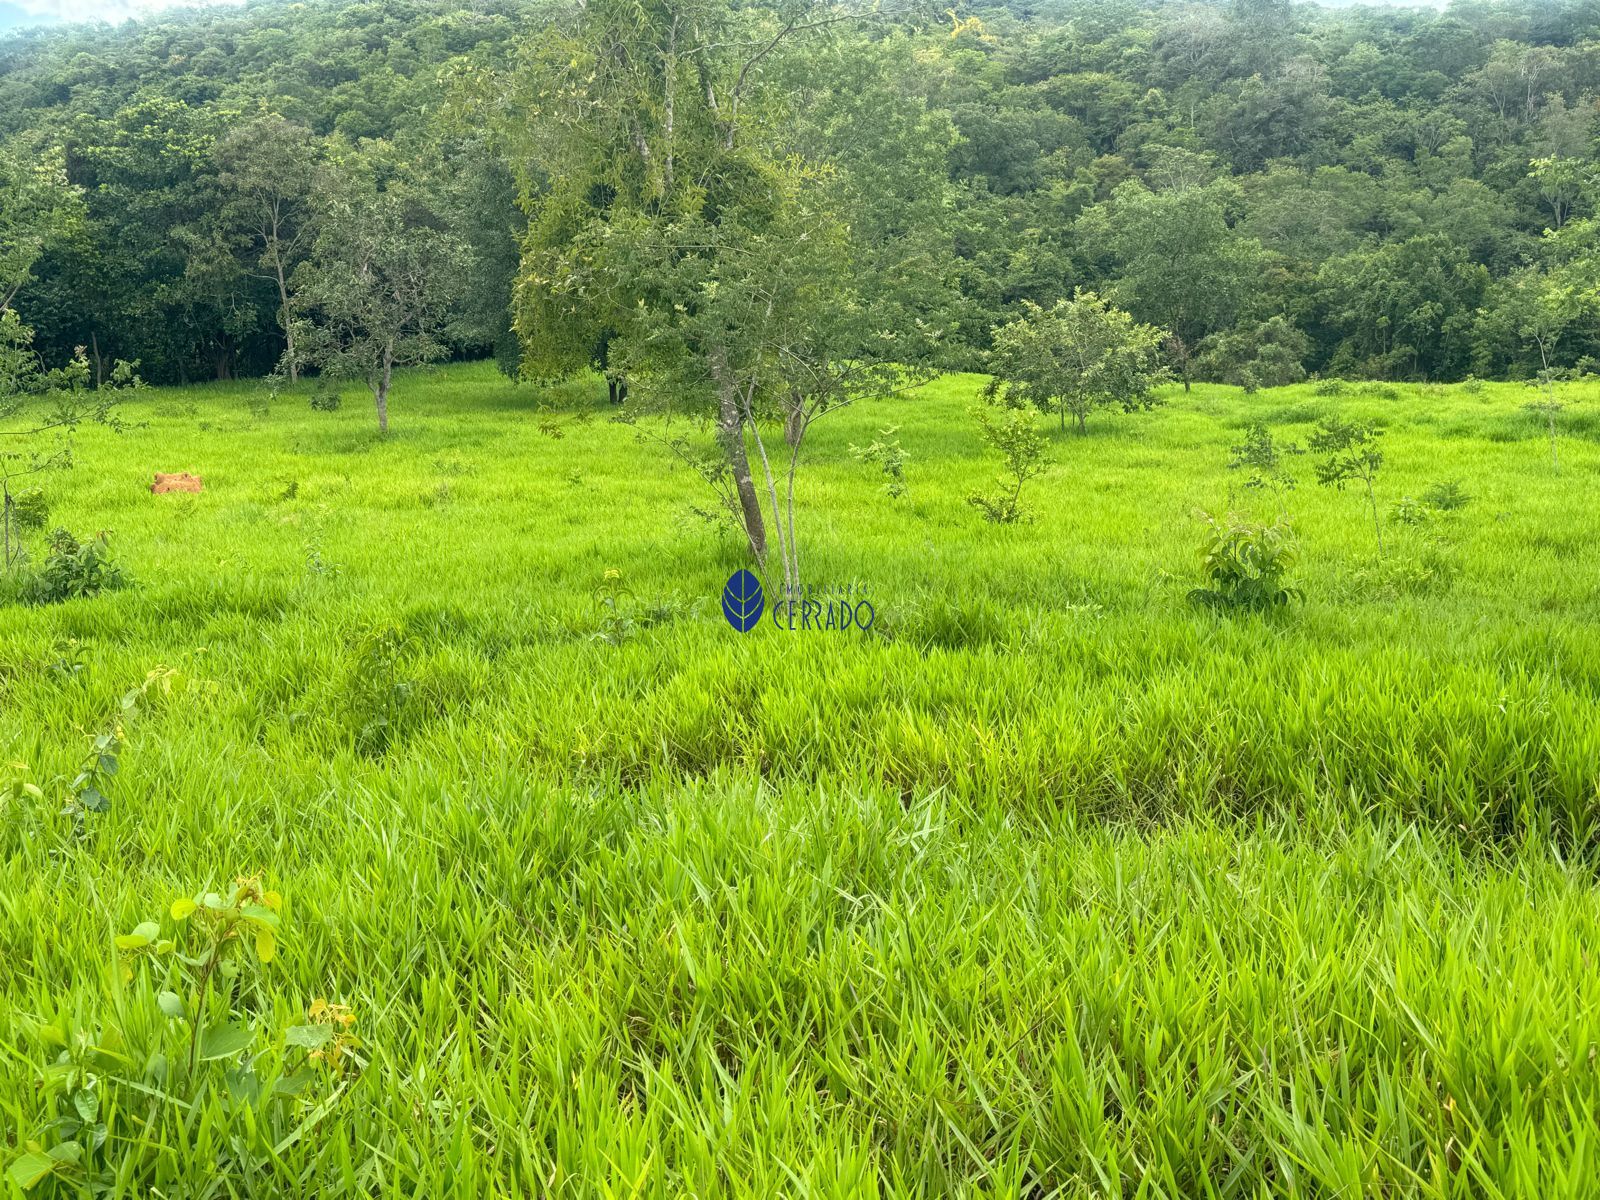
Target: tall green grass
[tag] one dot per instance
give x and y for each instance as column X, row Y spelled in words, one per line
column 1052, row 885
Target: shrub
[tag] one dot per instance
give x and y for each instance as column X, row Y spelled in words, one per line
column 73, row 569
column 376, row 695
column 1447, row 496
column 1263, row 458
column 325, row 398
column 1410, row 511
column 1350, row 452
column 1246, row 563
column 887, row 452
column 1012, row 432
column 29, row 510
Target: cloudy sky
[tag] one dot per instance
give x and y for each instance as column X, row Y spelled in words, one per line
column 42, row 12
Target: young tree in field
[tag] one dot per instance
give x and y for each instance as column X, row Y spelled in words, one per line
column 1350, row 452
column 669, row 214
column 1078, row 356
column 1011, row 431
column 268, row 170
column 376, row 292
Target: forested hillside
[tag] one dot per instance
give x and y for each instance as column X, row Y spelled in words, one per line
column 1385, row 192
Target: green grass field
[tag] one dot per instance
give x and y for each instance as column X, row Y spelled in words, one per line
column 1054, row 884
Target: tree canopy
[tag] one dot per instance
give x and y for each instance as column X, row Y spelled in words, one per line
column 1371, row 187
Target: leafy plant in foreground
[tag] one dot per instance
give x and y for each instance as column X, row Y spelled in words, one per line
column 194, row 975
column 72, row 570
column 1012, row 432
column 1350, row 452
column 218, row 926
column 1246, row 563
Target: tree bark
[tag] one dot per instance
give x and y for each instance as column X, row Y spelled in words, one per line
column 730, row 433
column 380, row 394
column 288, row 325
column 794, row 420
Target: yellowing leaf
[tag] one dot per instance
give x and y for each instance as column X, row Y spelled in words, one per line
column 266, row 944
column 182, row 908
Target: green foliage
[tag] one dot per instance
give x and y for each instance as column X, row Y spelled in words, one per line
column 325, row 397
column 615, row 599
column 72, row 570
column 1349, row 452
column 30, row 510
column 890, row 456
column 1246, row 563
column 383, row 274
column 377, row 694
column 1446, row 496
column 564, row 863
column 1269, row 353
column 1263, row 458
column 1013, row 432
column 1078, row 356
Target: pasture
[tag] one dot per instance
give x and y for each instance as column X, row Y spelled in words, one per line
column 1053, row 883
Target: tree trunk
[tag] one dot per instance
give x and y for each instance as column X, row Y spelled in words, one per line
column 730, row 432
column 794, row 420
column 288, row 325
column 380, row 394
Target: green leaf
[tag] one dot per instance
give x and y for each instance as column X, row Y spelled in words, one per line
column 66, row 1152
column 224, row 1041
column 94, row 801
column 87, row 1105
column 171, row 1004
column 28, row 1170
column 260, row 914
column 311, row 1037
column 108, row 764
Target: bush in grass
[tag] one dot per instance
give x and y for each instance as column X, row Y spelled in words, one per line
column 1263, row 458
column 29, row 510
column 886, row 451
column 1349, row 452
column 1246, row 563
column 1012, row 432
column 325, row 397
column 73, row 569
column 376, row 695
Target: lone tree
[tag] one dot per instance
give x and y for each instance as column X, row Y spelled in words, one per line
column 269, row 168
column 669, row 217
column 1350, row 452
column 377, row 291
column 1078, row 356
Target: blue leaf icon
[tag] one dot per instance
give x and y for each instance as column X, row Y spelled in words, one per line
column 742, row 601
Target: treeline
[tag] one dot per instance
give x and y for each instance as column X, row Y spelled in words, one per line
column 1282, row 189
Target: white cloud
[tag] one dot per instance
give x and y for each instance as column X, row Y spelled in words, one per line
column 97, row 10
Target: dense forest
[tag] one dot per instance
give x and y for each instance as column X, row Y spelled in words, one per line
column 1283, row 189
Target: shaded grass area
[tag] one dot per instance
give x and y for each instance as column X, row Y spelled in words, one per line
column 1051, row 885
